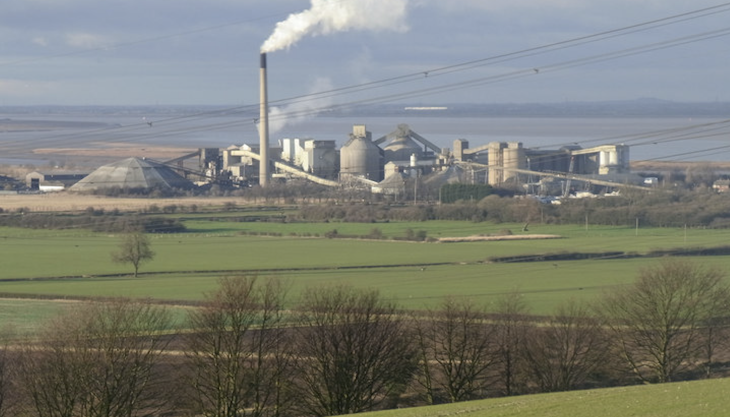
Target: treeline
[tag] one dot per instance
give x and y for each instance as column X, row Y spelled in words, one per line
column 659, row 207
column 94, row 220
column 340, row 350
column 451, row 193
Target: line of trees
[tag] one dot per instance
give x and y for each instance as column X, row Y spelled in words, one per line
column 658, row 207
column 344, row 350
column 113, row 221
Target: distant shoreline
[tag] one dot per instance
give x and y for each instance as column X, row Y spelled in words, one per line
column 643, row 107
column 12, row 125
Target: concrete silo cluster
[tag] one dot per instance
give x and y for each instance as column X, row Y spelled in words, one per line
column 404, row 154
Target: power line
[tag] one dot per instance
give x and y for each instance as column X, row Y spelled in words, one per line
column 170, row 123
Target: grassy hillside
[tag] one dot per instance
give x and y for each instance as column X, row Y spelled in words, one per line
column 682, row 399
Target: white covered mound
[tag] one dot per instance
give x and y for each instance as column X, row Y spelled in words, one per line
column 492, row 238
column 132, row 173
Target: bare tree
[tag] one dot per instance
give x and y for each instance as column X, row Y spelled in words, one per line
column 98, row 361
column 566, row 350
column 510, row 326
column 354, row 351
column 657, row 322
column 715, row 336
column 454, row 346
column 237, row 350
column 135, row 248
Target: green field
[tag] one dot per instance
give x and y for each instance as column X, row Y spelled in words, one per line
column 707, row 398
column 217, row 246
column 76, row 263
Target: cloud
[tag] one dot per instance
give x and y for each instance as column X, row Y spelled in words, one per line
column 23, row 88
column 301, row 110
column 86, row 40
column 188, row 46
column 361, row 67
column 40, row 41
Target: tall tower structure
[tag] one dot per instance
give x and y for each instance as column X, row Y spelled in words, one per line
column 263, row 125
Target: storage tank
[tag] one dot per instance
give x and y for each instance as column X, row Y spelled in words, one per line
column 495, row 158
column 402, row 147
column 513, row 157
column 360, row 156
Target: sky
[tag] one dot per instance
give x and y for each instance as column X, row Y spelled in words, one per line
column 206, row 52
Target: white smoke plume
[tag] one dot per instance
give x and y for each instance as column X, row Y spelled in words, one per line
column 300, row 111
column 330, row 16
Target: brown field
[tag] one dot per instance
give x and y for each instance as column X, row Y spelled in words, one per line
column 57, row 202
column 118, row 150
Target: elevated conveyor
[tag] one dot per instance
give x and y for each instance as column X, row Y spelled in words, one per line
column 289, row 169
column 564, row 176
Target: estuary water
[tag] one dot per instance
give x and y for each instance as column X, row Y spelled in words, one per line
column 655, row 138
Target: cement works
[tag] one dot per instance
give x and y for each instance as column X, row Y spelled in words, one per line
column 387, row 163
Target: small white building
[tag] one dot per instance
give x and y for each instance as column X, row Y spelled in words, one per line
column 53, row 180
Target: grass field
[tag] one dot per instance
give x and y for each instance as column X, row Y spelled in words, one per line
column 216, row 246
column 543, row 285
column 707, row 398
column 20, row 317
column 416, row 275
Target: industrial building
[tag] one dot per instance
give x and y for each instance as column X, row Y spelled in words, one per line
column 510, row 161
column 383, row 165
column 53, row 180
column 389, row 165
column 405, row 154
column 386, row 163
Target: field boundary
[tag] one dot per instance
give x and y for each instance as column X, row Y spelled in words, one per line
column 577, row 256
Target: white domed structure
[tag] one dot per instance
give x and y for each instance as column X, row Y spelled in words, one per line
column 132, row 173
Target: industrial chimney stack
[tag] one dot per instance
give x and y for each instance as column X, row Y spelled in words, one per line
column 264, row 127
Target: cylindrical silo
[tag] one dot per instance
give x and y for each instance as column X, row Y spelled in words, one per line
column 613, row 157
column 401, row 149
column 513, row 157
column 495, row 176
column 603, row 159
column 361, row 157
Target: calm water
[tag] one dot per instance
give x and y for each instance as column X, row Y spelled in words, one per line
column 543, row 133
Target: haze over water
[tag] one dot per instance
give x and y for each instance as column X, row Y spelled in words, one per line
column 224, row 131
